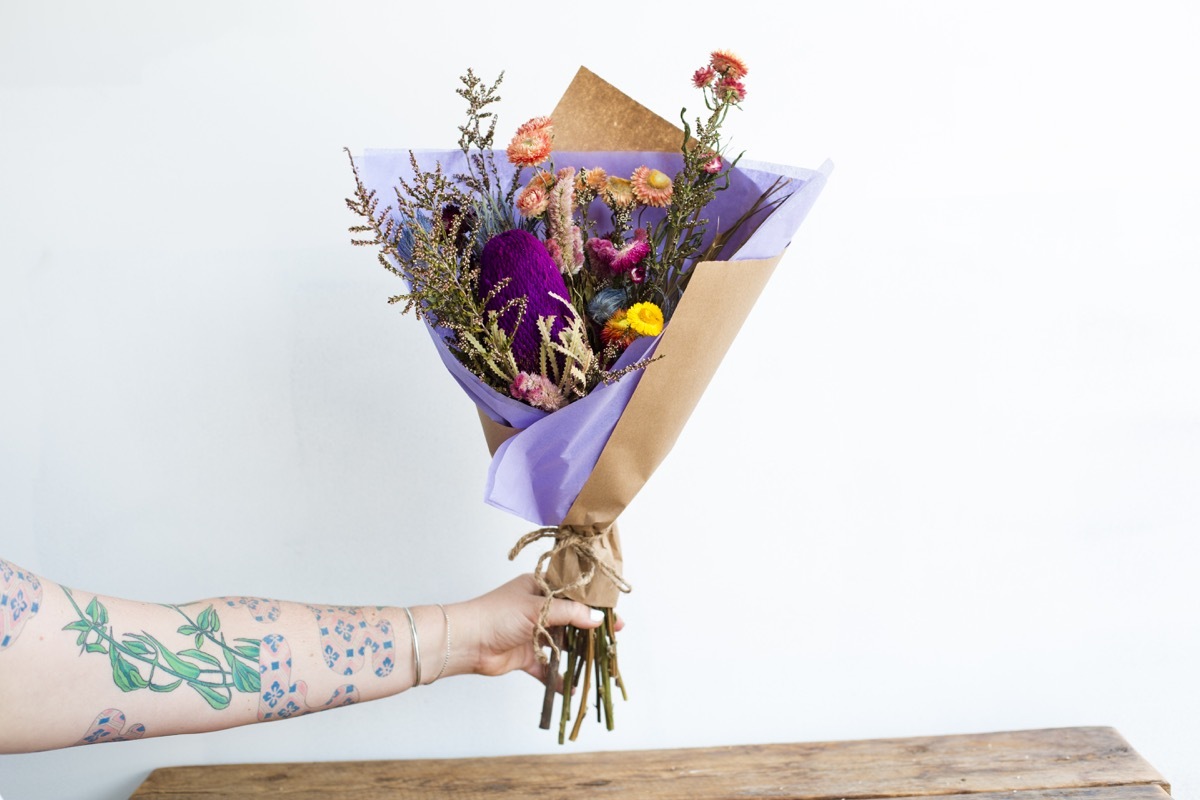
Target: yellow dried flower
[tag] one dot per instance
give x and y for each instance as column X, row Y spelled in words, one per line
column 645, row 319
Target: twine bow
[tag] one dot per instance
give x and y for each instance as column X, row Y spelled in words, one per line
column 582, row 541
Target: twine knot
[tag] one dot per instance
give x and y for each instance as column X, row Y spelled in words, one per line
column 582, row 541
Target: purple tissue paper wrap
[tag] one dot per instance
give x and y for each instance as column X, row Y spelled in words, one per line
column 537, row 473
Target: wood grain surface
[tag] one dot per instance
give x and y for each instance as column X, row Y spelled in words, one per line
column 1049, row 764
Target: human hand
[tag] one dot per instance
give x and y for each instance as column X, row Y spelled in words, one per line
column 498, row 627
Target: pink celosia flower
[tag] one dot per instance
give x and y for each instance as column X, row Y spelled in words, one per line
column 533, row 200
column 713, row 165
column 537, row 390
column 532, row 143
column 577, row 247
column 731, row 90
column 651, row 187
column 623, row 259
column 574, row 256
column 560, row 223
column 728, row 65
column 703, row 77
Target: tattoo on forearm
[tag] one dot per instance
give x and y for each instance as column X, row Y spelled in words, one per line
column 280, row 697
column 261, row 608
column 20, row 599
column 141, row 661
column 109, row 726
column 348, row 641
column 261, row 666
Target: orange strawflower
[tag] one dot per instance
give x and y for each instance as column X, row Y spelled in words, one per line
column 532, row 143
column 533, row 200
column 616, row 330
column 595, row 179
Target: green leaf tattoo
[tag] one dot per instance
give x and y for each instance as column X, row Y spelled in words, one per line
column 140, row 661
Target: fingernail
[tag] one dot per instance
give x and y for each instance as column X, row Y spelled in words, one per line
column 597, row 615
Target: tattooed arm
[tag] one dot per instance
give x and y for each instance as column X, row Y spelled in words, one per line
column 77, row 668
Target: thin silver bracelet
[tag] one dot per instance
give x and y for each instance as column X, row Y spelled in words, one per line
column 416, row 648
column 446, row 660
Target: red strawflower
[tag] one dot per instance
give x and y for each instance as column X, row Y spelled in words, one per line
column 730, row 90
column 728, row 64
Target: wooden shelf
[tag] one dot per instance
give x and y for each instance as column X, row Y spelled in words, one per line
column 1049, row 764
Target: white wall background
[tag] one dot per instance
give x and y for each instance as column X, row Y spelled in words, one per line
column 946, row 480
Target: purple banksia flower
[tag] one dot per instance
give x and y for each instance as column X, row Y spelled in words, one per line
column 519, row 256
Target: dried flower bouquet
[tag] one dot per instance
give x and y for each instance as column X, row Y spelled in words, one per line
column 582, row 285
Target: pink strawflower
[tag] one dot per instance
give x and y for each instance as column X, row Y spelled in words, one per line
column 623, row 259
column 534, row 199
column 532, row 143
column 728, row 65
column 703, row 77
column 651, row 187
column 713, row 165
column 537, row 390
column 731, row 90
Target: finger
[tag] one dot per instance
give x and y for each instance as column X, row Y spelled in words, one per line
column 569, row 612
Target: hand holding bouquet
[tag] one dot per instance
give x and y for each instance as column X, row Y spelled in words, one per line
column 581, row 287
